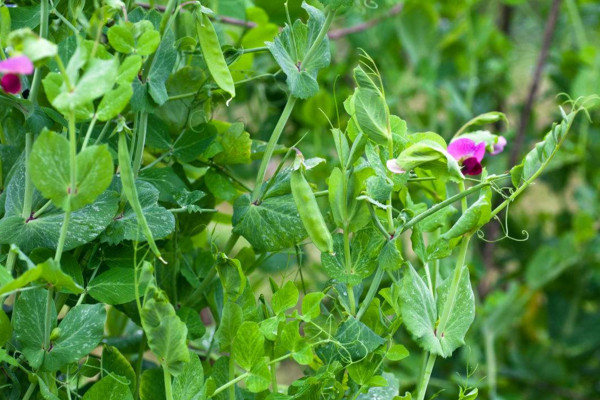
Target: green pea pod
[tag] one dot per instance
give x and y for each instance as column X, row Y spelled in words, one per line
column 310, row 213
column 130, row 191
column 211, row 49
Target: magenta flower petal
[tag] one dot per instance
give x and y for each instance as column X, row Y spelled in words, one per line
column 17, row 65
column 499, row 146
column 471, row 166
column 461, row 148
column 11, row 83
column 394, row 167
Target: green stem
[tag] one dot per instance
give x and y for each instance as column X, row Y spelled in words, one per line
column 47, row 318
column 141, row 140
column 285, row 115
column 89, row 131
column 231, row 391
column 138, row 364
column 72, row 188
column 37, row 76
column 254, row 50
column 490, row 355
column 313, row 49
column 168, row 384
column 30, row 391
column 379, row 272
column 424, row 382
column 42, row 209
column 27, row 197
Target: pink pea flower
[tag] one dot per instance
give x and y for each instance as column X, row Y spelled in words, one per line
column 498, row 146
column 11, row 68
column 468, row 154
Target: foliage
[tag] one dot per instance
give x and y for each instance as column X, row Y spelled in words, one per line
column 196, row 196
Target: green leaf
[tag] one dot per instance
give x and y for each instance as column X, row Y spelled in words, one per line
column 290, row 47
column 311, row 304
column 248, row 346
column 430, row 155
column 114, row 102
column 108, row 388
column 232, row 277
column 121, row 39
column 166, row 333
column 419, row 312
column 272, row 225
column 125, row 227
column 81, row 330
column 461, row 315
column 397, row 352
column 285, row 298
column 235, row 141
column 551, row 260
column 152, row 385
column 231, row 319
column 189, row 384
column 191, row 319
column 260, row 377
column 129, row 69
column 49, row 167
column 48, row 272
column 389, row 391
column 162, row 66
column 193, row 143
column 371, row 114
column 147, row 43
column 115, row 363
column 44, row 231
column 98, row 78
column 354, row 341
column 5, row 329
column 114, row 286
column 365, row 247
column 28, row 324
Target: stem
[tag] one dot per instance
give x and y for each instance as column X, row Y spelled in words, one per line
column 27, row 197
column 490, row 355
column 37, row 76
column 313, row 49
column 138, row 365
column 351, row 298
column 231, row 391
column 29, row 391
column 285, row 115
column 372, row 291
column 168, row 384
column 47, row 321
column 141, row 140
column 73, row 172
column 424, row 382
column 254, row 50
column 89, row 131
column 42, row 209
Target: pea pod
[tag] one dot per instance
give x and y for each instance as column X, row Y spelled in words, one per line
column 128, row 182
column 211, row 50
column 309, row 211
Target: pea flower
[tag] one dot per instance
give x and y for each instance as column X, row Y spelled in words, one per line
column 468, row 154
column 498, row 147
column 11, row 68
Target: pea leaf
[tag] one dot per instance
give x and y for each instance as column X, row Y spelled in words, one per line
column 114, row 286
column 44, row 230
column 5, row 330
column 114, row 102
column 108, row 388
column 420, row 314
column 29, row 323
column 285, row 298
column 81, row 330
column 430, row 155
column 162, row 65
column 354, row 341
column 260, row 377
column 166, row 332
column 291, row 46
column 152, row 385
column 121, row 39
column 235, row 141
column 125, row 226
column 311, row 304
column 115, row 363
column 98, row 78
column 190, row 383
column 364, row 248
column 272, row 225
column 231, row 319
column 49, row 272
column 49, row 167
column 248, row 346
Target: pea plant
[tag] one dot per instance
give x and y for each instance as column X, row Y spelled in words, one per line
column 118, row 175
